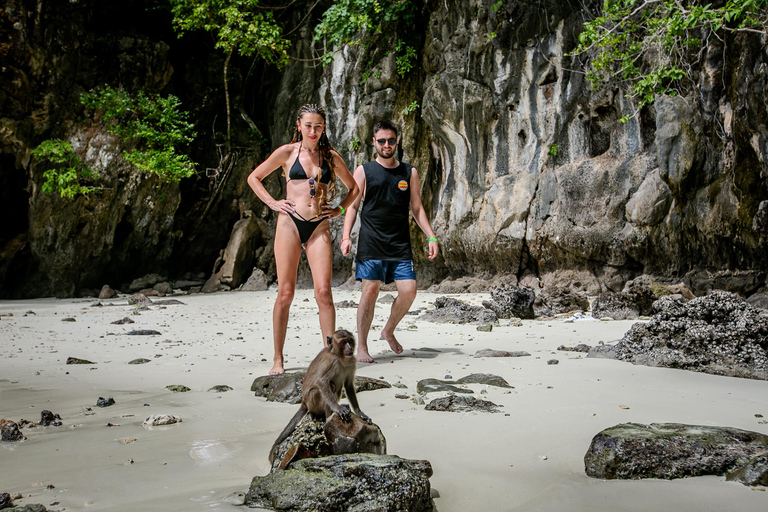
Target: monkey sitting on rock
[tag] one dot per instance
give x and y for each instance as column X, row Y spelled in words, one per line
column 332, row 370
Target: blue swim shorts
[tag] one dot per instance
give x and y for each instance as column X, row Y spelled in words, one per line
column 385, row 270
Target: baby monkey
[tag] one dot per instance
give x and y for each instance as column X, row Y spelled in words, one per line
column 332, row 370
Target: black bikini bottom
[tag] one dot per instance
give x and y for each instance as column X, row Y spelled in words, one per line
column 305, row 227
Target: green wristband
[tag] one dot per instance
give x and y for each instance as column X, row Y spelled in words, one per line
column 431, row 239
column 342, row 209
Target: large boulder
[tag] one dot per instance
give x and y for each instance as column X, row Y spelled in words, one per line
column 509, row 301
column 671, row 450
column 719, row 334
column 346, row 483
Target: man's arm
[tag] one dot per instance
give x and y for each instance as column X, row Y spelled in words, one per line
column 419, row 215
column 351, row 214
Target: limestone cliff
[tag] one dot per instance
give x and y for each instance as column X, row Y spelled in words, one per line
column 525, row 170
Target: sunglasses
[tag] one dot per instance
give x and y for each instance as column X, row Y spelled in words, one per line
column 312, row 191
column 390, row 142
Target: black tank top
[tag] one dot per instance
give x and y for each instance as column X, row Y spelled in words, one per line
column 384, row 230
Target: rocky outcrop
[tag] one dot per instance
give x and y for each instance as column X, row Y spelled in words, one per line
column 719, row 334
column 671, row 450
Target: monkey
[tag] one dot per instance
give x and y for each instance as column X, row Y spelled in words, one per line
column 332, row 370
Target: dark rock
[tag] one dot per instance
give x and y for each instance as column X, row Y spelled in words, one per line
column 760, row 220
column 557, row 300
column 484, row 378
column 47, row 418
column 487, row 352
column 454, row 311
column 355, row 436
column 553, row 361
column 140, row 360
column 509, row 301
column 32, row 507
column 358, row 482
column 75, row 360
column 754, row 472
column 105, row 402
column 670, row 450
column 168, row 302
column 280, row 388
column 147, row 281
column 5, row 501
column 107, row 292
column 9, row 432
column 69, row 319
column 287, row 387
column 163, row 288
column 124, row 320
column 632, row 303
column 220, row 389
column 581, row 347
column 177, row 388
column 139, row 299
column 306, row 441
column 718, row 334
column 435, row 385
column 346, row 304
column 142, row 332
column 457, row 403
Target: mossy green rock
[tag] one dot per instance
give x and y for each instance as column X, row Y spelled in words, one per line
column 670, row 450
column 346, row 483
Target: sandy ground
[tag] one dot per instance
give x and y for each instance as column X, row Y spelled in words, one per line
column 529, row 458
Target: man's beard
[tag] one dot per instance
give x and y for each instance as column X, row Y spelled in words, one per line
column 387, row 152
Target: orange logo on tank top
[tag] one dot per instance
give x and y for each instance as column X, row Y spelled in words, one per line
column 403, row 185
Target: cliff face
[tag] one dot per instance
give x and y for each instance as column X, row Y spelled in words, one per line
column 524, row 169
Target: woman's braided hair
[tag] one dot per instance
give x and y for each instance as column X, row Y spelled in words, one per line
column 323, row 144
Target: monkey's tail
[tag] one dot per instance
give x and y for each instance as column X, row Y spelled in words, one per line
column 287, row 431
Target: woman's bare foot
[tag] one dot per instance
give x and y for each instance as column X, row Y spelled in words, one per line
column 393, row 343
column 277, row 368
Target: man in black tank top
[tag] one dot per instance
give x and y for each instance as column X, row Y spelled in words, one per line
column 390, row 189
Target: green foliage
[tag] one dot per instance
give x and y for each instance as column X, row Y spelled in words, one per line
column 351, row 21
column 651, row 44
column 355, row 144
column 69, row 175
column 157, row 124
column 236, row 25
column 405, row 60
column 411, row 108
column 497, row 5
column 553, row 150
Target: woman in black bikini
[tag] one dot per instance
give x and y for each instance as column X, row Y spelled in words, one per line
column 310, row 166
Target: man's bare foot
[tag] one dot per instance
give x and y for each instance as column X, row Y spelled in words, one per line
column 277, row 368
column 393, row 343
column 364, row 357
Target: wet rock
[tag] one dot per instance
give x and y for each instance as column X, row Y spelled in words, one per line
column 280, row 388
column 457, row 403
column 719, row 334
column 142, row 332
column 178, row 388
column 105, row 402
column 140, row 360
column 355, row 436
column 670, row 450
column 509, row 301
column 287, row 387
column 47, row 418
column 75, row 360
column 454, row 311
column 161, row 419
column 107, row 293
column 357, row 482
column 754, row 472
column 484, row 378
column 436, row 385
column 220, row 389
column 10, row 432
column 124, row 320
column 487, row 352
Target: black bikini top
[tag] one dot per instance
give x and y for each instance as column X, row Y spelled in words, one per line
column 297, row 171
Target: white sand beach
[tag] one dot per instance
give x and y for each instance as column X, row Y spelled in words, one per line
column 528, row 458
